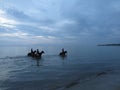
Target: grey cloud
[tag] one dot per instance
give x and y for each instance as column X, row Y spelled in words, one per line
column 90, row 14
column 96, row 20
column 23, row 17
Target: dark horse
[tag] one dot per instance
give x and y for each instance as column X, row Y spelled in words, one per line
column 36, row 55
column 63, row 53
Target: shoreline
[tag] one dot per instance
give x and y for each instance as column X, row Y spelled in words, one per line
column 108, row 45
column 106, row 80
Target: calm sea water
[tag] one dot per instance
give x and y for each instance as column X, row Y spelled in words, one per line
column 52, row 72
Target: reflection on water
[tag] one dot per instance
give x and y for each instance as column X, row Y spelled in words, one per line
column 38, row 62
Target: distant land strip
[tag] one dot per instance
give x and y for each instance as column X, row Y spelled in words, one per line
column 108, row 45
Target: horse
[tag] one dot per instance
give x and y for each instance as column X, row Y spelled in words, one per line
column 30, row 54
column 63, row 54
column 39, row 54
column 35, row 55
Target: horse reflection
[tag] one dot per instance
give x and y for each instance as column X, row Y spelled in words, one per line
column 38, row 62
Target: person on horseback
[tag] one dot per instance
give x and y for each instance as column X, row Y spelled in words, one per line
column 38, row 51
column 31, row 51
column 62, row 50
column 63, row 53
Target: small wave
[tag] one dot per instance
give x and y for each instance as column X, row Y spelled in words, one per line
column 91, row 77
column 49, row 56
column 13, row 57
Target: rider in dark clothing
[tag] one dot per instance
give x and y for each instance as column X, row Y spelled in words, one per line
column 31, row 50
column 38, row 51
column 62, row 49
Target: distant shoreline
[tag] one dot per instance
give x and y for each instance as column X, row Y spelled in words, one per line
column 108, row 45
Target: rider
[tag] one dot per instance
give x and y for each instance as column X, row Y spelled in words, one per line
column 31, row 50
column 38, row 51
column 62, row 50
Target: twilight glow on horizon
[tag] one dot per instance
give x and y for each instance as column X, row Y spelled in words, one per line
column 59, row 21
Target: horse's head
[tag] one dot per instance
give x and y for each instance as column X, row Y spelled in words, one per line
column 65, row 52
column 42, row 52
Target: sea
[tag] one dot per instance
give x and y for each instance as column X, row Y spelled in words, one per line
column 53, row 72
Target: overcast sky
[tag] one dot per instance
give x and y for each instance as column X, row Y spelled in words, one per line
column 59, row 21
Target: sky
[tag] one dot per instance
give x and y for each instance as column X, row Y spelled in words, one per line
column 35, row 22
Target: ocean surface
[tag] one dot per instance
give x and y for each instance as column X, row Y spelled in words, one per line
column 52, row 72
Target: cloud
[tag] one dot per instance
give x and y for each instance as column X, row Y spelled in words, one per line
column 6, row 21
column 16, row 34
column 51, row 21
